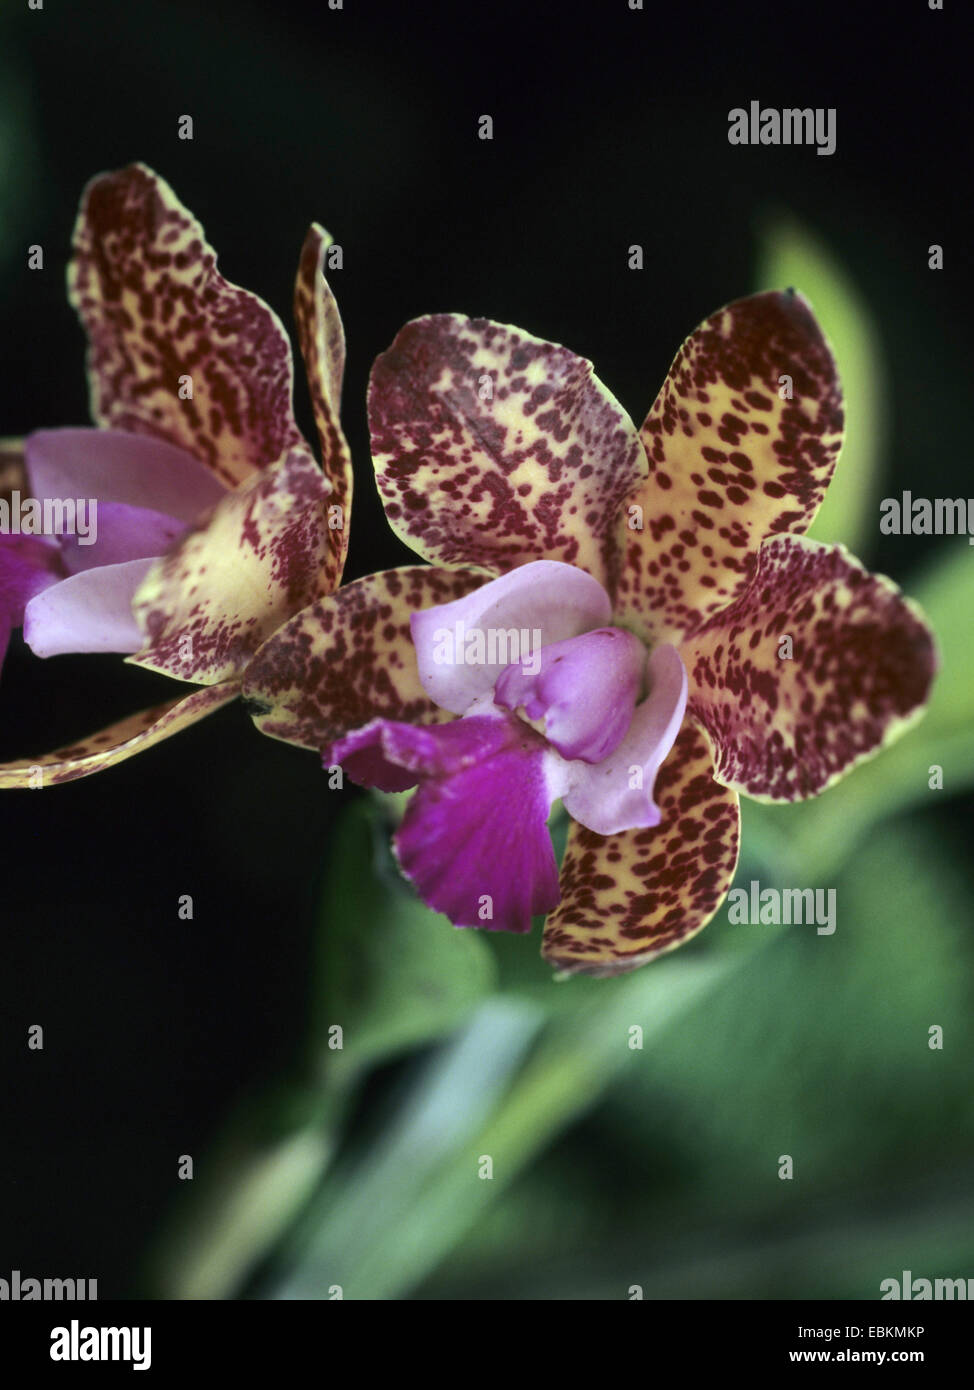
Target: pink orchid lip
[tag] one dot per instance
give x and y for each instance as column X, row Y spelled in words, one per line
column 474, row 839
column 118, row 467
column 578, row 675
column 617, row 794
column 585, row 688
column 28, row 566
column 141, row 495
column 462, row 647
column 90, row 611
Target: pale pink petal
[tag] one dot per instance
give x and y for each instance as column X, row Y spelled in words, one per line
column 528, row 608
column 88, row 612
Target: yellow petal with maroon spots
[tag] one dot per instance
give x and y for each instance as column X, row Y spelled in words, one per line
column 493, row 448
column 261, row 555
column 119, row 741
column 322, row 341
column 741, row 441
column 627, row 898
column 815, row 667
column 157, row 312
column 350, row 658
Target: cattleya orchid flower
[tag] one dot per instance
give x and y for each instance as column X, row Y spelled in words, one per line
column 603, row 621
column 211, row 514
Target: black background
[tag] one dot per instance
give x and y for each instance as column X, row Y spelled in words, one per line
column 610, row 128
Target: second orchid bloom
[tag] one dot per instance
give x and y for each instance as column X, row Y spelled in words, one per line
column 214, row 522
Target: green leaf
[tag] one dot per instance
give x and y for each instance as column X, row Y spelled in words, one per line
column 247, row 1189
column 391, row 973
column 817, row 1047
column 848, row 1014
column 789, row 254
column 362, row 1231
column 386, row 1220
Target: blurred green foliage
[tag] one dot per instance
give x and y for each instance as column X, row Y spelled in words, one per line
column 391, row 974
column 818, row 1048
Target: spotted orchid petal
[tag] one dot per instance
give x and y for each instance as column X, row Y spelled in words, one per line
column 350, row 658
column 493, row 448
column 118, row 742
column 157, row 312
column 627, row 898
column 617, row 793
column 742, row 442
column 259, row 557
column 474, row 839
column 110, row 466
column 322, row 342
column 506, row 618
column 858, row 667
column 585, row 689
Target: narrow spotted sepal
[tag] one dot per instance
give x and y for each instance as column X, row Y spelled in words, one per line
column 322, row 341
column 118, row 742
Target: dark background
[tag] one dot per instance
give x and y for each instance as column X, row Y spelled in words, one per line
column 610, row 128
